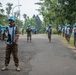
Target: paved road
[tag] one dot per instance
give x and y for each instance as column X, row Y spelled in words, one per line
column 41, row 57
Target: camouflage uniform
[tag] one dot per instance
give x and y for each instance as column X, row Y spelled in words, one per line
column 28, row 30
column 49, row 33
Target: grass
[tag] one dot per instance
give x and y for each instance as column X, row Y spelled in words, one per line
column 70, row 45
column 72, row 41
column 66, row 43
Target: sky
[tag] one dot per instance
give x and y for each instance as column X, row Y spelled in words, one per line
column 27, row 6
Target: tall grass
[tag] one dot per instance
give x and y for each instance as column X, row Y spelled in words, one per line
column 72, row 41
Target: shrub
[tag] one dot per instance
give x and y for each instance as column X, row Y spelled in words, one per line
column 54, row 31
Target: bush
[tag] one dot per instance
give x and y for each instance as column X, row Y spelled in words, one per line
column 54, row 31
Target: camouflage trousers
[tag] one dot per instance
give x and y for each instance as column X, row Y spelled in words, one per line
column 75, row 41
column 29, row 37
column 12, row 49
column 49, row 36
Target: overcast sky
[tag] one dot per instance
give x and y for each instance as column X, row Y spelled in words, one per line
column 28, row 7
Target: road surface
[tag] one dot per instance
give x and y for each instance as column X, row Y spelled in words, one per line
column 41, row 57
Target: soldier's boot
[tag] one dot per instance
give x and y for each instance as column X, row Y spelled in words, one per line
column 17, row 69
column 4, row 68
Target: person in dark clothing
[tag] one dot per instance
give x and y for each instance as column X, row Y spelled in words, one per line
column 29, row 30
column 49, row 31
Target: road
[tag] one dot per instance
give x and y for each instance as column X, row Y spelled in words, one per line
column 41, row 57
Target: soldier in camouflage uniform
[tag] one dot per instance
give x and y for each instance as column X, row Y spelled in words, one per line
column 12, row 35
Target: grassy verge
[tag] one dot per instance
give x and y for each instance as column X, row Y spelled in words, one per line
column 72, row 41
column 71, row 44
column 65, row 42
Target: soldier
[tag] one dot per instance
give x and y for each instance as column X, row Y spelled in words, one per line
column 29, row 30
column 68, row 32
column 12, row 35
column 59, row 30
column 74, row 34
column 49, row 31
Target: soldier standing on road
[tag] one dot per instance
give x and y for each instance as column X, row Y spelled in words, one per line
column 65, row 31
column 28, row 30
column 74, row 34
column 12, row 35
column 68, row 33
column 49, row 31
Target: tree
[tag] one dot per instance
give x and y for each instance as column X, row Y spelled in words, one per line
column 2, row 16
column 58, row 11
column 1, row 10
column 8, row 8
column 37, row 23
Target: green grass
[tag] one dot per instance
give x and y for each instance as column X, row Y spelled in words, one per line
column 66, row 43
column 72, row 41
column 71, row 44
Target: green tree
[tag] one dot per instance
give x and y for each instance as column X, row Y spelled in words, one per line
column 58, row 11
column 2, row 16
column 8, row 8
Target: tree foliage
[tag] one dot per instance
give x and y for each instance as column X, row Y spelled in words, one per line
column 58, row 11
column 8, row 8
column 34, row 21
